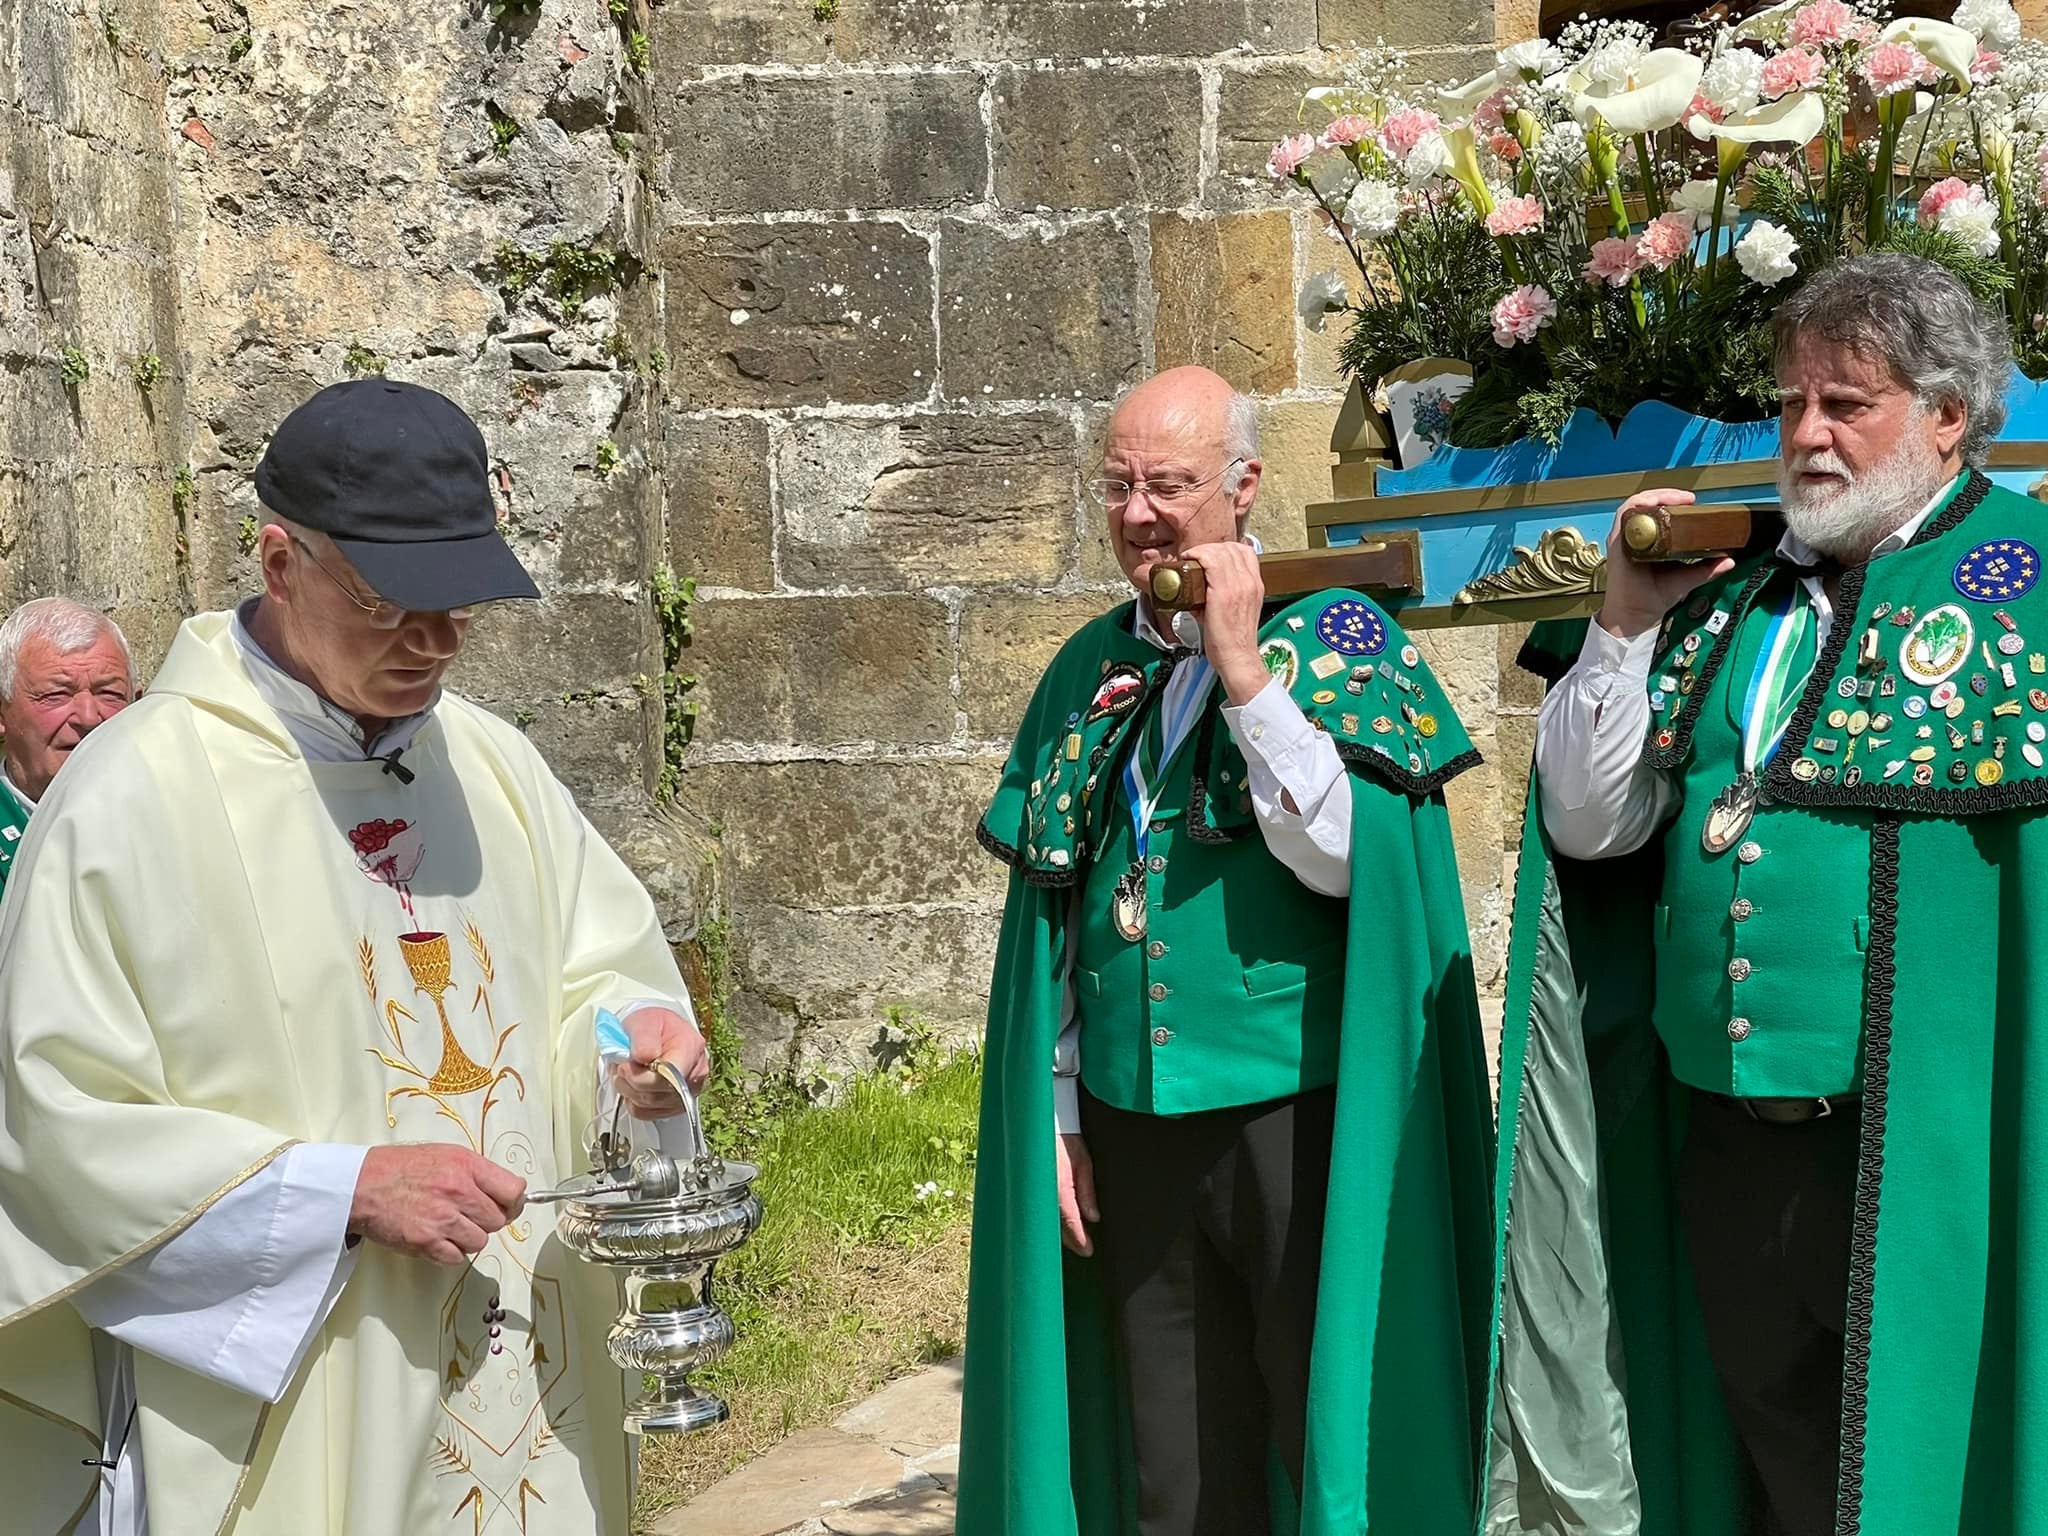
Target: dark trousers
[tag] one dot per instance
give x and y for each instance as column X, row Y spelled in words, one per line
column 1768, row 1212
column 1210, row 1242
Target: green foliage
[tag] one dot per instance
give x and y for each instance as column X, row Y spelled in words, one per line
column 571, row 272
column 1987, row 277
column 74, row 367
column 360, row 362
column 575, row 272
column 620, row 9
column 148, row 372
column 182, row 488
column 112, row 28
column 657, row 361
column 824, row 10
column 504, row 129
column 607, row 457
column 238, row 50
column 248, row 533
column 637, row 52
column 620, row 351
column 622, row 144
column 504, row 10
column 1448, row 256
column 673, row 600
column 523, row 717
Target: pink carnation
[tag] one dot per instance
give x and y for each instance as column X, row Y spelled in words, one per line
column 1350, row 129
column 1613, row 263
column 1985, row 67
column 1796, row 69
column 1701, row 107
column 1405, row 129
column 1521, row 313
column 1894, row 67
column 1515, row 216
column 1668, row 238
column 1288, row 154
column 1939, row 196
column 1827, row 22
column 1491, row 114
column 1505, row 146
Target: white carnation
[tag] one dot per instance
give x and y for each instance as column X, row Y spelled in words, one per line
column 1322, row 296
column 1994, row 23
column 1973, row 221
column 1536, row 58
column 1765, row 253
column 1734, row 81
column 1429, row 159
column 1613, row 61
column 1374, row 209
column 1697, row 199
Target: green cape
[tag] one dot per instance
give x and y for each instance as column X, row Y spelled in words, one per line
column 1397, row 1374
column 1606, row 1416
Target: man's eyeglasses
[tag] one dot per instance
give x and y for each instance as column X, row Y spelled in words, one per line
column 1167, row 493
column 383, row 614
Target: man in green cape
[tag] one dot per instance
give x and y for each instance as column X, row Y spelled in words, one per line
column 1773, row 1077
column 1233, row 1062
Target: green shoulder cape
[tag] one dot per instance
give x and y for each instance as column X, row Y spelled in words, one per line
column 1606, row 1418
column 1400, row 1353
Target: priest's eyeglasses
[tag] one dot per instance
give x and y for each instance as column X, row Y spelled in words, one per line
column 383, row 613
column 1167, row 493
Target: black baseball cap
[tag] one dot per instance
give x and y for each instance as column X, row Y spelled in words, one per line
column 398, row 477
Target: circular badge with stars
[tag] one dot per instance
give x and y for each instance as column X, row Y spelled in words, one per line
column 2001, row 569
column 1352, row 628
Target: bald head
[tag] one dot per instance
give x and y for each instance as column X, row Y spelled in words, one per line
column 1194, row 443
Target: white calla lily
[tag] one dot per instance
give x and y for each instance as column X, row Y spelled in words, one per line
column 1653, row 94
column 1464, row 100
column 1796, row 120
column 1769, row 24
column 1949, row 48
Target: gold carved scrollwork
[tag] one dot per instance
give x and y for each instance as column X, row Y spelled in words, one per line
column 1563, row 564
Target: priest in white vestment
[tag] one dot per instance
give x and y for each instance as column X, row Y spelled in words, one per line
column 299, row 967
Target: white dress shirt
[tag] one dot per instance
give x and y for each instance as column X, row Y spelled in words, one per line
column 240, row 1295
column 1289, row 760
column 1601, row 797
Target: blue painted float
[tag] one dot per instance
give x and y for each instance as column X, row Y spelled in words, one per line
column 1519, row 533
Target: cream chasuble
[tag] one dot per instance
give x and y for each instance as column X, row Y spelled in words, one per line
column 225, row 949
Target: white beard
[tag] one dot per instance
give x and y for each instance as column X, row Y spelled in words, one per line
column 1849, row 518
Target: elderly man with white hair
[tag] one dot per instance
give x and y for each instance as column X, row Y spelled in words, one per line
column 1233, row 1057
column 64, row 670
column 1774, row 1084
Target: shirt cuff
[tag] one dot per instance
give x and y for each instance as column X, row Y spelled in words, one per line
column 1066, row 1105
column 1628, row 661
column 311, row 1260
column 1273, row 733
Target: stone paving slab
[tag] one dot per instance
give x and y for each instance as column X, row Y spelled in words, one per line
column 886, row 1467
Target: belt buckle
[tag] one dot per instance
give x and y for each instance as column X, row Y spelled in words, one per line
column 1826, row 1108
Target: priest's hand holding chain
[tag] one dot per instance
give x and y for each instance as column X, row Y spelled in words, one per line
column 660, row 1034
column 433, row 1200
column 1638, row 596
column 1230, row 617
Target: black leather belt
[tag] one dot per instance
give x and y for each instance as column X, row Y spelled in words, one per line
column 1789, row 1111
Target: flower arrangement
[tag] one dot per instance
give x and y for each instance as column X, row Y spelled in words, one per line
column 1598, row 221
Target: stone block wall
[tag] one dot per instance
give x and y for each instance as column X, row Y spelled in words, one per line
column 89, row 504
column 909, row 255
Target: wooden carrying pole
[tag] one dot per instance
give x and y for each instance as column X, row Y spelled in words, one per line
column 1657, row 535
column 1389, row 562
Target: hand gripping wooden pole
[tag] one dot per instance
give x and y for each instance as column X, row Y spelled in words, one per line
column 1390, row 563
column 1661, row 535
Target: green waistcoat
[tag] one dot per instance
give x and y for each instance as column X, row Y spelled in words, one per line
column 1233, row 995
column 1397, row 1366
column 13, row 822
column 1608, row 1414
column 1760, row 947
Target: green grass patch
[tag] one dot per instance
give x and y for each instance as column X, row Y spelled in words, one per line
column 859, row 1271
